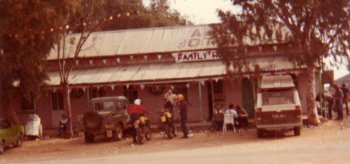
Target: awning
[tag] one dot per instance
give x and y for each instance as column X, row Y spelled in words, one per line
column 167, row 72
column 143, row 73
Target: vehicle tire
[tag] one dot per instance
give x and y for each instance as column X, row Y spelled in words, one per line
column 92, row 120
column 2, row 147
column 139, row 135
column 167, row 130
column 118, row 133
column 89, row 138
column 297, row 131
column 259, row 133
column 19, row 141
column 147, row 131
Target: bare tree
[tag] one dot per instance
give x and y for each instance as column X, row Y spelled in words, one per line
column 70, row 45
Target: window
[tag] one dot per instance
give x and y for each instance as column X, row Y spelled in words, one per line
column 130, row 93
column 105, row 105
column 57, row 101
column 218, row 93
column 94, row 92
column 181, row 88
column 121, row 105
column 27, row 106
column 277, row 98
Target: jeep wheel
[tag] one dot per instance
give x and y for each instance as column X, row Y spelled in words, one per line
column 297, row 131
column 89, row 138
column 92, row 120
column 118, row 132
column 259, row 133
column 2, row 147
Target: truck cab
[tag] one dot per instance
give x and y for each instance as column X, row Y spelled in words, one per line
column 278, row 105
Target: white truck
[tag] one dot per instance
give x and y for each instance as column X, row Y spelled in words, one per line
column 278, row 105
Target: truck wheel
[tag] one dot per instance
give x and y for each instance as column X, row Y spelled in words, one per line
column 118, row 132
column 89, row 138
column 259, row 133
column 297, row 131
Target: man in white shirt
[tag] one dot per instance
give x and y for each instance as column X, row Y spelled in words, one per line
column 231, row 111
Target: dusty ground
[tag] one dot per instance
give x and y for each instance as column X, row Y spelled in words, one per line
column 328, row 143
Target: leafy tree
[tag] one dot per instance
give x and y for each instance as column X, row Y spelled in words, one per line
column 318, row 28
column 25, row 41
column 157, row 15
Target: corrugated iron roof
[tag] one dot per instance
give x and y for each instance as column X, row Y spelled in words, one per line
column 143, row 41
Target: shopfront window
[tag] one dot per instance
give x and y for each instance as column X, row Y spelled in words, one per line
column 130, row 93
column 96, row 92
column 181, row 88
column 57, row 101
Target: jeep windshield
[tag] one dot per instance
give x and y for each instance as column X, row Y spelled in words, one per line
column 105, row 105
column 277, row 97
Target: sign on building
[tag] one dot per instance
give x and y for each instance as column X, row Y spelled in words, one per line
column 196, row 56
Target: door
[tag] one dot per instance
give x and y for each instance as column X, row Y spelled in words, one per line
column 57, row 108
column 248, row 96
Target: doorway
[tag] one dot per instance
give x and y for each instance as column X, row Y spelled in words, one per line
column 248, row 96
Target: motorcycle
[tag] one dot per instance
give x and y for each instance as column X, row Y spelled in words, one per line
column 167, row 124
column 143, row 129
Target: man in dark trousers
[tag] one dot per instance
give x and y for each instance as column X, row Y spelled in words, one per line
column 338, row 98
column 183, row 114
column 345, row 98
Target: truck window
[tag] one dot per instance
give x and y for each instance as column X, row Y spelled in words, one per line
column 277, row 97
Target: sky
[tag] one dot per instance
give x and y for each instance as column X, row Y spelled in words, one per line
column 205, row 12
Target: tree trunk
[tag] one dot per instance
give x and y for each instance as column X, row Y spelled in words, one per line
column 313, row 118
column 9, row 110
column 69, row 110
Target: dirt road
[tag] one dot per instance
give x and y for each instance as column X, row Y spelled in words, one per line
column 328, row 143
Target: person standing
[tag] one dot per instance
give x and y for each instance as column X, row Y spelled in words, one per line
column 345, row 98
column 218, row 118
column 338, row 97
column 242, row 116
column 330, row 103
column 183, row 114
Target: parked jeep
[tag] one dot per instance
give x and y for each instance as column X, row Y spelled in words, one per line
column 278, row 105
column 106, row 117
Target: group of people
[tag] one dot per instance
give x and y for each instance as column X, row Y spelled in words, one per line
column 170, row 101
column 239, row 114
column 336, row 102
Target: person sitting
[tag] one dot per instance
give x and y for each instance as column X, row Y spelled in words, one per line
column 231, row 111
column 242, row 116
column 135, row 111
column 63, row 126
column 218, row 118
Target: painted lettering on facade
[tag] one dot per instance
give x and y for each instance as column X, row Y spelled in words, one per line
column 199, row 37
column 196, row 56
